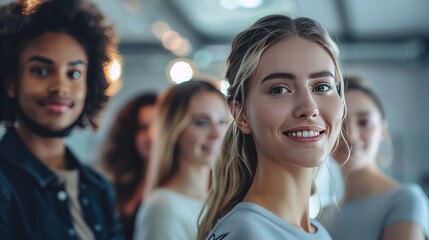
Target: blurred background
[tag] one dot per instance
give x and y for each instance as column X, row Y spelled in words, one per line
column 385, row 41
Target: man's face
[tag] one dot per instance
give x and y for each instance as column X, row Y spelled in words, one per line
column 51, row 84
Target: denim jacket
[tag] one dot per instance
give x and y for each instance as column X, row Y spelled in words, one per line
column 34, row 205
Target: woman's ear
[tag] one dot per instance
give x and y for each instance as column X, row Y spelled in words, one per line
column 240, row 117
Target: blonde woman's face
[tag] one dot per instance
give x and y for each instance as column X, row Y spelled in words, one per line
column 293, row 109
column 200, row 142
column 365, row 131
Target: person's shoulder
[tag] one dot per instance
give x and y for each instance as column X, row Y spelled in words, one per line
column 410, row 194
column 409, row 203
column 235, row 226
column 244, row 221
column 158, row 210
column 159, row 202
column 166, row 201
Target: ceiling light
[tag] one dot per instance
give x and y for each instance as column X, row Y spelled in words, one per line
column 181, row 70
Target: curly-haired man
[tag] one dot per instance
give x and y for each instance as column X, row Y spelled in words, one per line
column 52, row 78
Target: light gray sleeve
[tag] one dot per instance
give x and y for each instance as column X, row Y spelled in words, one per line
column 410, row 204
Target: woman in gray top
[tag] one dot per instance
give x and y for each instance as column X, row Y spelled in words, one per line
column 286, row 99
column 374, row 206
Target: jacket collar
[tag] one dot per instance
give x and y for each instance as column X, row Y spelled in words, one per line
column 17, row 153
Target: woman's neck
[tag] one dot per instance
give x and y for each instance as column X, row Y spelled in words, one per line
column 191, row 181
column 283, row 190
column 366, row 182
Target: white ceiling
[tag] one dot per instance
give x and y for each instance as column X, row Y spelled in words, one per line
column 380, row 25
column 205, row 23
column 206, row 19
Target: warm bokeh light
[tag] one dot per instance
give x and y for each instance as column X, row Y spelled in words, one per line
column 159, row 28
column 115, row 70
column 171, row 40
column 184, row 49
column 30, row 6
column 181, row 70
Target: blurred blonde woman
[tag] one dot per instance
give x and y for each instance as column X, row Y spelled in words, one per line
column 374, row 205
column 190, row 124
column 285, row 96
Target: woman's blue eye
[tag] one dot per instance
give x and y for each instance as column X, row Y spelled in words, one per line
column 74, row 74
column 278, row 90
column 201, row 123
column 40, row 71
column 322, row 88
column 363, row 123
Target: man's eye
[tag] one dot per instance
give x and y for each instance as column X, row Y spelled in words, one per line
column 40, row 71
column 74, row 74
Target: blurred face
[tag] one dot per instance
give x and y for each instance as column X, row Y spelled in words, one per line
column 51, row 86
column 200, row 141
column 366, row 130
column 293, row 109
column 144, row 136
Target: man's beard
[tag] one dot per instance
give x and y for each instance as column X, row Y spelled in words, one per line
column 41, row 130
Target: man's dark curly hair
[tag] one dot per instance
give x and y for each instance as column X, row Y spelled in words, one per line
column 21, row 22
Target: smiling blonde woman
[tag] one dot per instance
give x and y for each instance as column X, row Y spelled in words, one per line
column 288, row 107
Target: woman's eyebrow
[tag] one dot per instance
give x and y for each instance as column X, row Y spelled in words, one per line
column 322, row 74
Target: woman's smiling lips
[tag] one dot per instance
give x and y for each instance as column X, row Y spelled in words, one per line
column 305, row 134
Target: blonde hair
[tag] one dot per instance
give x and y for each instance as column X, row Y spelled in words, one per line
column 234, row 171
column 171, row 118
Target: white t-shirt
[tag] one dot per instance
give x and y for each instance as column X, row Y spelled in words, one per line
column 71, row 180
column 167, row 215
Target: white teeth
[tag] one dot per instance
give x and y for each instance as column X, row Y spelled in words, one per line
column 304, row 134
column 211, row 149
